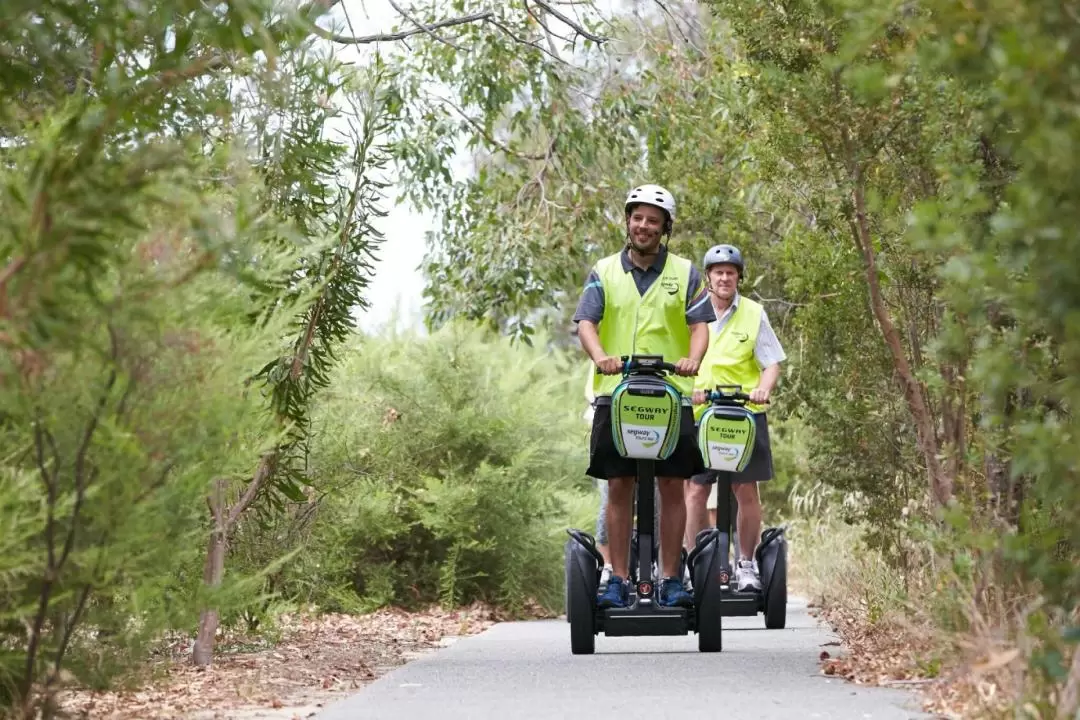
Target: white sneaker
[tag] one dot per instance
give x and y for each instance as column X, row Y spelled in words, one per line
column 746, row 576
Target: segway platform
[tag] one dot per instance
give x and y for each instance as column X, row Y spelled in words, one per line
column 645, row 620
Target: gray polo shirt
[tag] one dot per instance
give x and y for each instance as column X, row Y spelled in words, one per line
column 698, row 308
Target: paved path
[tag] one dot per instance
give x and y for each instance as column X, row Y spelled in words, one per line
column 524, row 671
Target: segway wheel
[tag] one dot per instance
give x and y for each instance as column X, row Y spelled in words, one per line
column 776, row 588
column 581, row 599
column 567, row 552
column 707, row 598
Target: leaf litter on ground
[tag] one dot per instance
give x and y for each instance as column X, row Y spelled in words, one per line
column 318, row 660
column 897, row 651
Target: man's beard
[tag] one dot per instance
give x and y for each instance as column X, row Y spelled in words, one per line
column 651, row 244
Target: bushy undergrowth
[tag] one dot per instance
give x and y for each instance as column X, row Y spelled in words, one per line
column 445, row 468
column 954, row 612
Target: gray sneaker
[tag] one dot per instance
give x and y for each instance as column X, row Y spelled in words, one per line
column 746, row 577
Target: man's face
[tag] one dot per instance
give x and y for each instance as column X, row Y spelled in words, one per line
column 723, row 280
column 645, row 225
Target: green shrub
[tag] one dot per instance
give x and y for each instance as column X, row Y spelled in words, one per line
column 448, row 468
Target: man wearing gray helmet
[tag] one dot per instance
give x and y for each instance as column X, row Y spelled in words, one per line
column 644, row 300
column 743, row 350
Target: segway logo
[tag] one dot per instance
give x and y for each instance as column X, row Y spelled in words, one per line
column 727, row 453
column 727, row 431
column 644, row 412
column 647, row 438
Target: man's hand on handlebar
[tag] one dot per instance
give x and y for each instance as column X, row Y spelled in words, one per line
column 698, row 398
column 687, row 366
column 609, row 365
column 759, row 396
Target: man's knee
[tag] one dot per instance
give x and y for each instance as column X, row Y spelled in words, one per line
column 620, row 490
column 746, row 494
column 698, row 494
column 671, row 488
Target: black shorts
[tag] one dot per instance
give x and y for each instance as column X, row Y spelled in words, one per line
column 606, row 463
column 759, row 469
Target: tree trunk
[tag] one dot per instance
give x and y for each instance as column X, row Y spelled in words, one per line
column 954, row 419
column 224, row 518
column 941, row 485
column 213, row 573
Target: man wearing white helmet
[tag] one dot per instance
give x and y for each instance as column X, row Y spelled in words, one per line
column 644, row 300
column 743, row 350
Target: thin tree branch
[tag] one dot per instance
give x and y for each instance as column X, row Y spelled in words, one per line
column 405, row 14
column 69, row 629
column 262, row 474
column 547, row 30
column 51, row 480
column 522, row 41
column 480, row 129
column 578, row 28
column 391, row 37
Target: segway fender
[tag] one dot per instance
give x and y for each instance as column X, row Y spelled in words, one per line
column 584, row 559
column 772, row 560
column 704, row 562
column 583, row 568
column 706, row 566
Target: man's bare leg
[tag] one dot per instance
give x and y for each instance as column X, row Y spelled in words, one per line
column 697, row 515
column 749, row 520
column 672, row 525
column 620, row 524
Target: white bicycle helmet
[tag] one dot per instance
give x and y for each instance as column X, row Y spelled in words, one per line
column 652, row 195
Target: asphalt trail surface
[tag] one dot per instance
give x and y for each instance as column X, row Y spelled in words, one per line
column 524, row 671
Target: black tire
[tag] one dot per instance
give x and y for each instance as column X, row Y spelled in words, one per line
column 581, row 599
column 774, row 568
column 707, row 599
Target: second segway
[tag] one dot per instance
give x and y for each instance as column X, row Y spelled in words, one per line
column 726, row 433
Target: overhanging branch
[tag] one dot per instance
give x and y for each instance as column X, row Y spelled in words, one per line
column 391, row 37
column 578, row 27
column 408, row 16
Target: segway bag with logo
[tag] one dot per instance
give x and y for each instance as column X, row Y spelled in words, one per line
column 645, row 417
column 726, row 437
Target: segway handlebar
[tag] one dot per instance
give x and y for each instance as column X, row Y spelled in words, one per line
column 728, row 395
column 647, row 364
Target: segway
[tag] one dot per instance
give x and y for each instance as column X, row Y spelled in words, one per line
column 726, row 439
column 646, row 413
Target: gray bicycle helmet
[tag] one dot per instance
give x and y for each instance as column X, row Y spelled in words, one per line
column 728, row 254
